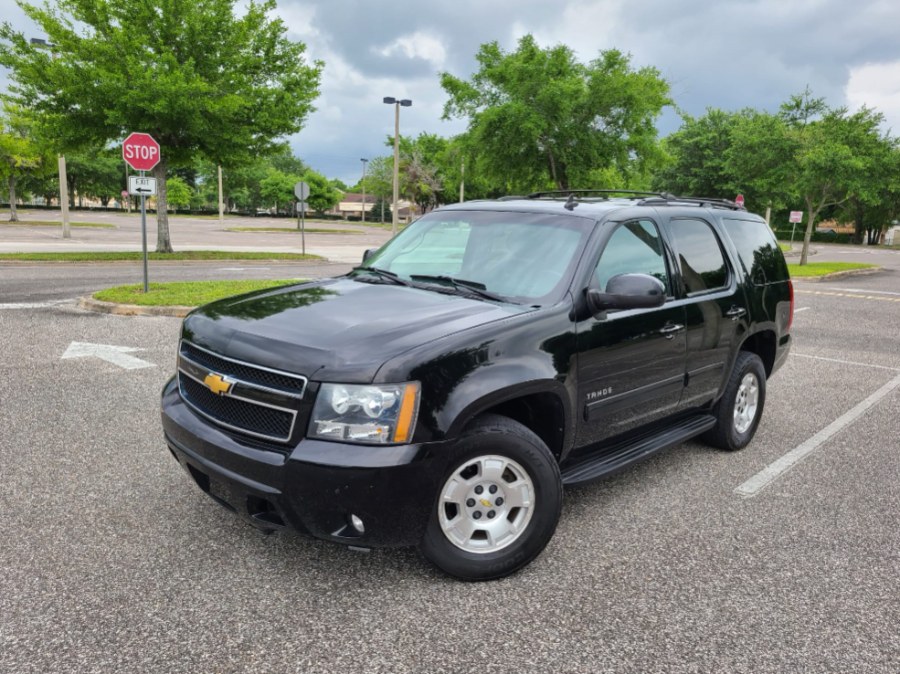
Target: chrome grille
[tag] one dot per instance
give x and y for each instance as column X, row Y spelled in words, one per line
column 254, row 401
column 251, row 374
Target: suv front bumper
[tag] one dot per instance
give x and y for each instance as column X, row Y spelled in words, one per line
column 314, row 487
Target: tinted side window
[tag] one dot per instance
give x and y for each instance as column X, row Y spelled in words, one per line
column 758, row 250
column 634, row 248
column 700, row 256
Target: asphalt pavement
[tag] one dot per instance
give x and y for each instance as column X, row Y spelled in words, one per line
column 113, row 561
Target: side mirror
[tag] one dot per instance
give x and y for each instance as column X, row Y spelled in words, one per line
column 627, row 291
column 367, row 254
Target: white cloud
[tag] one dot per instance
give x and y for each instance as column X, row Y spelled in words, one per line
column 876, row 85
column 418, row 45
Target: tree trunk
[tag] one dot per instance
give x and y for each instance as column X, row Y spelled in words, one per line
column 163, row 242
column 13, row 216
column 552, row 162
column 859, row 228
column 810, row 218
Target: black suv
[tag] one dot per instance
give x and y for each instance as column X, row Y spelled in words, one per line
column 444, row 392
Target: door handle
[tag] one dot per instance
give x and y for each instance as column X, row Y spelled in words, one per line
column 669, row 330
column 735, row 313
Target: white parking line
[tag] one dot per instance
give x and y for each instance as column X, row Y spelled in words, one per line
column 847, row 362
column 33, row 305
column 797, row 311
column 774, row 470
column 870, row 292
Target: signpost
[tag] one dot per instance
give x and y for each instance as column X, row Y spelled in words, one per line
column 141, row 152
column 301, row 191
column 796, row 216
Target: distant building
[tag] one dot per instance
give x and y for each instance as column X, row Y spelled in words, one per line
column 351, row 205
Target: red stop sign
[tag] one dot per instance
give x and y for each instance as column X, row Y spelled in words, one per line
column 140, row 151
column 739, row 200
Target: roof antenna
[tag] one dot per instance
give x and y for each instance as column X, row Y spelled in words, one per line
column 571, row 202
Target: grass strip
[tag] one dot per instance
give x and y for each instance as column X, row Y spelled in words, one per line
column 824, row 268
column 294, row 230
column 184, row 293
column 134, row 256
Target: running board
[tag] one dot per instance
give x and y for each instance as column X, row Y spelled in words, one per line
column 619, row 456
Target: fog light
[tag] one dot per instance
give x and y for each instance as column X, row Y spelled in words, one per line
column 357, row 524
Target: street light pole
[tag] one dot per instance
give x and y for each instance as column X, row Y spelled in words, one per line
column 396, row 103
column 365, row 163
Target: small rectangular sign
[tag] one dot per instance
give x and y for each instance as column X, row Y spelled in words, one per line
column 796, row 216
column 142, row 186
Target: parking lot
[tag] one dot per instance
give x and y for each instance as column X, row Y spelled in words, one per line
column 782, row 557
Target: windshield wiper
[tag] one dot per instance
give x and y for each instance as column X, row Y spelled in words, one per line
column 461, row 284
column 385, row 274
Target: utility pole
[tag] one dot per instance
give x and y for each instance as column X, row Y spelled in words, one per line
column 365, row 163
column 63, row 182
column 221, row 203
column 64, row 197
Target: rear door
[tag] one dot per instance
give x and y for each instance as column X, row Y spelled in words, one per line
column 631, row 362
column 715, row 306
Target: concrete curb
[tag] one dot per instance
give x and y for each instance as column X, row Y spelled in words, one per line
column 90, row 304
column 837, row 275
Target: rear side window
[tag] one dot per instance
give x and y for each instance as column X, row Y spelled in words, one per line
column 758, row 250
column 700, row 257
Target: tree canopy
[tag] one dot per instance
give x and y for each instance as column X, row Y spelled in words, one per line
column 538, row 117
column 200, row 77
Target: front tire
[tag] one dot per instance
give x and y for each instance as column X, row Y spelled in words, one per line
column 498, row 504
column 739, row 410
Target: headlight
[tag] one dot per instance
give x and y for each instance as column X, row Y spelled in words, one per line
column 371, row 414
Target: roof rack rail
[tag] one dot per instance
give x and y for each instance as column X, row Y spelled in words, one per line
column 512, row 197
column 565, row 194
column 708, row 202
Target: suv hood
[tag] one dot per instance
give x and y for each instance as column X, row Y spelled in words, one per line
column 335, row 330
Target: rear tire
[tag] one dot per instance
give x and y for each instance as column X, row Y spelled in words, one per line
column 739, row 410
column 498, row 504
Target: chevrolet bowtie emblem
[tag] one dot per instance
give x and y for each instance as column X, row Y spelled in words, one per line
column 485, row 503
column 218, row 384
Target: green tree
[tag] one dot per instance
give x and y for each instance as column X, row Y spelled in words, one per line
column 203, row 78
column 179, row 192
column 538, row 117
column 20, row 154
column 278, row 188
column 379, row 182
column 831, row 154
column 96, row 174
column 322, row 195
column 698, row 154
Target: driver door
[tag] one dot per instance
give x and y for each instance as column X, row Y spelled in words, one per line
column 630, row 363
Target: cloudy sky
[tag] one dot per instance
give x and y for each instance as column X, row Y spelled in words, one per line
column 727, row 54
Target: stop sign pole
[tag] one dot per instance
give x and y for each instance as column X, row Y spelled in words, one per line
column 141, row 152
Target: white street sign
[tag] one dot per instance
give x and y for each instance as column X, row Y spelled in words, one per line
column 301, row 190
column 142, row 186
column 796, row 216
column 117, row 355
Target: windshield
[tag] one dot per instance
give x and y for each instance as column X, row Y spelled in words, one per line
column 521, row 256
